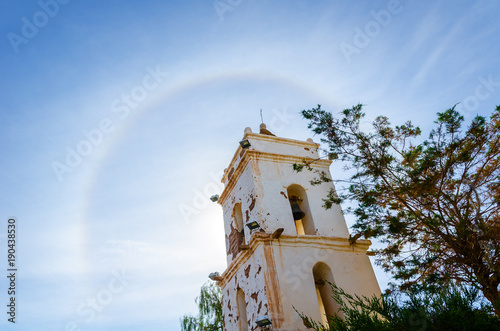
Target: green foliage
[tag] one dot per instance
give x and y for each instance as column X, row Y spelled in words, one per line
column 433, row 203
column 210, row 311
column 450, row 309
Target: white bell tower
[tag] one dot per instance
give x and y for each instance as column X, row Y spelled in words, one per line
column 283, row 263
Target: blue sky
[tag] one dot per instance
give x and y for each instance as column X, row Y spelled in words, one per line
column 119, row 117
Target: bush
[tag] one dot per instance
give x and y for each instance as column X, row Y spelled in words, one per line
column 452, row 308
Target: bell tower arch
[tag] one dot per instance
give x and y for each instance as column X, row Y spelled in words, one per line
column 300, row 210
column 281, row 244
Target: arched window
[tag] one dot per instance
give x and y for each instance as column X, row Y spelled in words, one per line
column 238, row 217
column 297, row 196
column 327, row 305
column 242, row 310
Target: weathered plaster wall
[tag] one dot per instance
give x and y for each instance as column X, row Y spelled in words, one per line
column 296, row 257
column 259, row 178
column 243, row 193
column 249, row 276
column 277, row 275
column 275, row 177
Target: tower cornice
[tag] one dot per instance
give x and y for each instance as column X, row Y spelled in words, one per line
column 266, row 138
column 231, row 177
column 328, row 244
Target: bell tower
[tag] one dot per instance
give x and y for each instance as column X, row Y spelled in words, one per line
column 281, row 243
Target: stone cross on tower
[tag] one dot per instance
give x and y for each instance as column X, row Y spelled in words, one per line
column 277, row 263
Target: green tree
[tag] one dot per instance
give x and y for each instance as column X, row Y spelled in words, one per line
column 449, row 309
column 434, row 204
column 209, row 311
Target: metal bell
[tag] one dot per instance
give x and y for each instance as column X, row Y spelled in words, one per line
column 297, row 213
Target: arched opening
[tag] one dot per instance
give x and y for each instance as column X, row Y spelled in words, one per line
column 327, row 305
column 238, row 218
column 242, row 310
column 298, row 197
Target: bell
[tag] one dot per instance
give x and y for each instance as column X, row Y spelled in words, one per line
column 297, row 213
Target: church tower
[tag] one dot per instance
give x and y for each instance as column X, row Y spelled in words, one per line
column 279, row 259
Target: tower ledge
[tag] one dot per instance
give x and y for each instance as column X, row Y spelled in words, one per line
column 262, row 142
column 322, row 243
column 238, row 165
